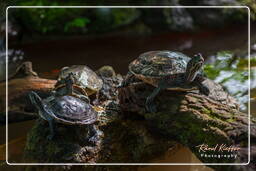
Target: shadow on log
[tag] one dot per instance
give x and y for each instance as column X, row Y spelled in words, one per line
column 122, row 140
column 196, row 120
column 130, row 134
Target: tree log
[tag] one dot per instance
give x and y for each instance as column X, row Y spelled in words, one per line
column 130, row 134
column 24, row 81
column 196, row 120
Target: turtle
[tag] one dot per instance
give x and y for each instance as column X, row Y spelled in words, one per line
column 68, row 110
column 169, row 70
column 79, row 81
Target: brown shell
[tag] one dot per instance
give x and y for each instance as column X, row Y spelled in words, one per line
column 152, row 66
column 85, row 77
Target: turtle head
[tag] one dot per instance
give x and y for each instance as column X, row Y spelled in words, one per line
column 193, row 67
column 37, row 102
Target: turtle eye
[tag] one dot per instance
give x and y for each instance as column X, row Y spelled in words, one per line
column 198, row 57
column 44, row 105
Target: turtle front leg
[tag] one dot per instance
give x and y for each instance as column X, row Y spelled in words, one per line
column 199, row 83
column 166, row 82
column 150, row 106
column 128, row 78
column 51, row 127
column 94, row 135
column 97, row 101
column 203, row 89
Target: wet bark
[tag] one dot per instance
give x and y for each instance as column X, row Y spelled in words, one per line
column 193, row 119
column 122, row 140
column 130, row 134
column 25, row 80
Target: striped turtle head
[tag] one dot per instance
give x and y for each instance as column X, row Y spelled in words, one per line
column 42, row 107
column 193, row 67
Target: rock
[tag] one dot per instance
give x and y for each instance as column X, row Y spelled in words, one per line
column 177, row 19
column 106, row 19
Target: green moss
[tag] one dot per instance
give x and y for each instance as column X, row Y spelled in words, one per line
column 122, row 16
column 206, row 111
column 76, row 23
column 52, row 149
column 49, row 20
column 231, row 120
column 110, row 18
column 252, row 5
column 243, row 63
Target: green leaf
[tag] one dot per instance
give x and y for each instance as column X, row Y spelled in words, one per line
column 76, row 23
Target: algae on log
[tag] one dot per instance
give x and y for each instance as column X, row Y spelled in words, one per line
column 121, row 141
column 194, row 119
column 22, row 82
column 130, row 134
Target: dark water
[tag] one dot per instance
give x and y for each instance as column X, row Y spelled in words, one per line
column 118, row 51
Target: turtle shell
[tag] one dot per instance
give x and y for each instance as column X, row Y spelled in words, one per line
column 152, row 66
column 84, row 77
column 70, row 110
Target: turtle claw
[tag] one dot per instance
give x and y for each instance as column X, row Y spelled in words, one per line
column 123, row 84
column 120, row 86
column 50, row 137
column 93, row 140
column 94, row 136
column 150, row 107
column 204, row 90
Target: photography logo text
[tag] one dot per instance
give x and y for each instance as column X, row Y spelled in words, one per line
column 218, row 151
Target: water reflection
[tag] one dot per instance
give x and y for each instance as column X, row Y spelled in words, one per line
column 17, row 133
column 180, row 155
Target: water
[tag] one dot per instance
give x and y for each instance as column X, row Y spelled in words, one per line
column 119, row 50
column 177, row 156
column 113, row 49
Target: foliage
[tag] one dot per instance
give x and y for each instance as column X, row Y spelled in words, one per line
column 46, row 20
column 76, row 23
column 228, row 61
column 68, row 20
column 252, row 5
column 105, row 19
column 111, row 18
column 222, row 63
column 231, row 71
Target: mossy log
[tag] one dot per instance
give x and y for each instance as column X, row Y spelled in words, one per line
column 129, row 134
column 121, row 140
column 195, row 120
